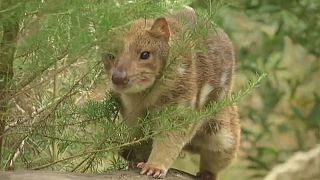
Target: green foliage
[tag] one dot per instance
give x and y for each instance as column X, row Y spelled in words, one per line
column 297, row 19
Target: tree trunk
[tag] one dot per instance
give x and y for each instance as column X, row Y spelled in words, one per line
column 10, row 29
column 124, row 175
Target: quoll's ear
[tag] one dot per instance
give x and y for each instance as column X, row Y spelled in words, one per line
column 108, row 60
column 160, row 29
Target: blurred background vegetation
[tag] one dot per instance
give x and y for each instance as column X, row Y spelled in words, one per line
column 53, row 88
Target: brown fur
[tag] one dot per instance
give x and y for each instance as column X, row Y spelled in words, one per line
column 204, row 77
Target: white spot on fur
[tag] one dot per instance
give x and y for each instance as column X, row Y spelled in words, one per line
column 222, row 140
column 223, row 79
column 126, row 47
column 193, row 102
column 181, row 70
column 205, row 91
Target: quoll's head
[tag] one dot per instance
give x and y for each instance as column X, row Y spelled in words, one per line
column 142, row 57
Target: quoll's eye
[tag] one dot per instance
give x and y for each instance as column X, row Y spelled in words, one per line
column 145, row 55
column 108, row 56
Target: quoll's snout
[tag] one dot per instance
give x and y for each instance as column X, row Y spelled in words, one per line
column 119, row 77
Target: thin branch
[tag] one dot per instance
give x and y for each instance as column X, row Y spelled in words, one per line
column 10, row 164
column 62, row 139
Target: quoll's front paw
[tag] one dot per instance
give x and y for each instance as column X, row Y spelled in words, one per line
column 152, row 170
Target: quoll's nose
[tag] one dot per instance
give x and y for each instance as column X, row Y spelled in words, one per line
column 120, row 77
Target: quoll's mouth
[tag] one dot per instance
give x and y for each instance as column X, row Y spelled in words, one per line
column 120, row 86
column 133, row 84
column 142, row 81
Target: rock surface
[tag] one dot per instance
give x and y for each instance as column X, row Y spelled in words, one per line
column 301, row 166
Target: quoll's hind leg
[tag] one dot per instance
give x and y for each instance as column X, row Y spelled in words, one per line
column 129, row 155
column 136, row 153
column 218, row 143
